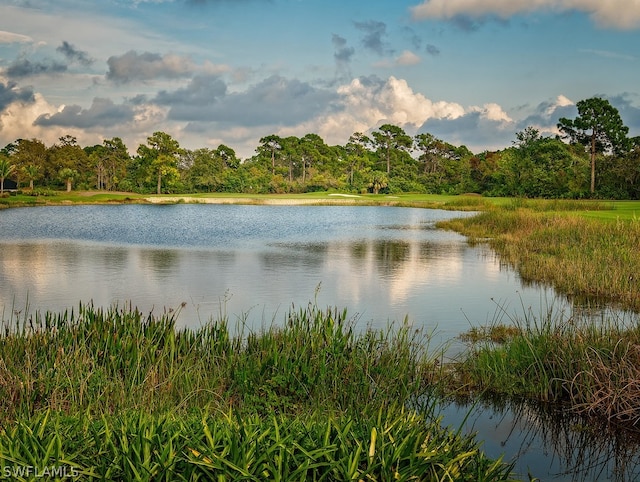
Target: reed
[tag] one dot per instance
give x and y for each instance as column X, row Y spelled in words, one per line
column 116, row 394
column 578, row 256
column 590, row 365
column 107, row 361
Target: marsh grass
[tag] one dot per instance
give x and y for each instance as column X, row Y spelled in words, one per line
column 577, row 256
column 105, row 361
column 117, row 394
column 590, row 365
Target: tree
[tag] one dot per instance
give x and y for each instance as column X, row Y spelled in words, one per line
column 537, row 166
column 378, row 181
column 31, row 171
column 67, row 175
column 357, row 149
column 270, row 144
column 599, row 128
column 391, row 138
column 68, row 155
column 160, row 156
column 428, row 145
column 110, row 162
column 29, row 153
column 5, row 171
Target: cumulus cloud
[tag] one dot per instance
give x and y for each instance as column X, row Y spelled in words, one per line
column 276, row 105
column 202, row 90
column 102, row 113
column 16, row 120
column 361, row 105
column 475, row 129
column 545, row 115
column 273, row 101
column 193, row 102
column 627, row 104
column 10, row 93
column 492, row 112
column 490, row 128
column 618, row 14
column 368, row 102
column 148, row 66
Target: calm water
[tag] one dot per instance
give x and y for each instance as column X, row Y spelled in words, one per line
column 254, row 262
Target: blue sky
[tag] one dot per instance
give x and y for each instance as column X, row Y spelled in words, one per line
column 471, row 72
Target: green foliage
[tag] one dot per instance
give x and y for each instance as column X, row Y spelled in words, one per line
column 108, row 361
column 590, row 365
column 118, row 395
column 575, row 254
column 534, row 167
column 599, row 128
column 394, row 445
column 541, row 167
column 6, row 168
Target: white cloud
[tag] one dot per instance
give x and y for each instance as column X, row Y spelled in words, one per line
column 367, row 103
column 408, row 58
column 10, row 38
column 493, row 112
column 16, row 121
column 620, row 14
column 561, row 101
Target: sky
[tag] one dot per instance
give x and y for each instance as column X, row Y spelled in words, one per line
column 211, row 72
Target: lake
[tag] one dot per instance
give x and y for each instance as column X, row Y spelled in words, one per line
column 253, row 263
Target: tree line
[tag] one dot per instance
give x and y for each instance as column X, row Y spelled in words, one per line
column 592, row 157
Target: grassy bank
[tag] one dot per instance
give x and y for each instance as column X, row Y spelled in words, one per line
column 591, row 367
column 119, row 395
column 572, row 250
column 592, row 256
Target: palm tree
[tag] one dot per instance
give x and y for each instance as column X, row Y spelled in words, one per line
column 5, row 170
column 67, row 175
column 31, row 172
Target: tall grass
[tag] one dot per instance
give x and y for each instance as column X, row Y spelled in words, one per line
column 120, row 395
column 105, row 361
column 592, row 366
column 577, row 256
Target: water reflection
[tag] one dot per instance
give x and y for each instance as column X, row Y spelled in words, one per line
column 548, row 442
column 380, row 263
column 253, row 262
column 161, row 262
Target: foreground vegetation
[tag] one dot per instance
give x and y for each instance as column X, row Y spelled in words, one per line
column 590, row 364
column 591, row 367
column 118, row 395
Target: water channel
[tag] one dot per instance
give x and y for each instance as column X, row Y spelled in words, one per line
column 253, row 263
